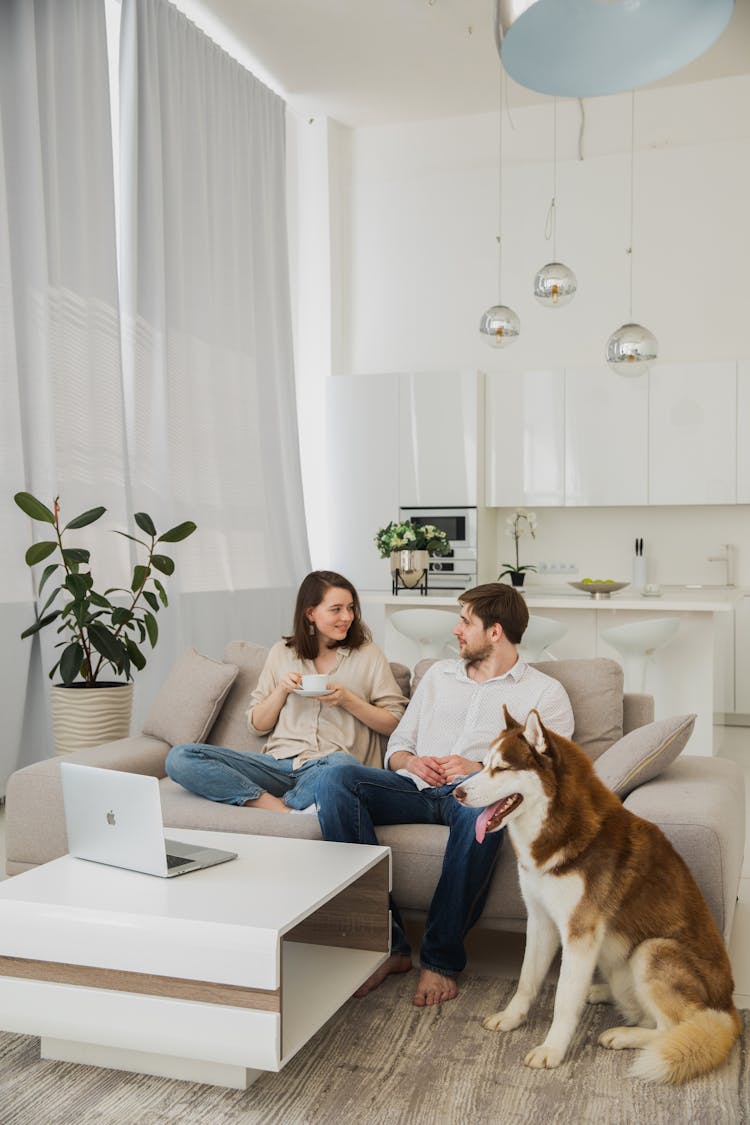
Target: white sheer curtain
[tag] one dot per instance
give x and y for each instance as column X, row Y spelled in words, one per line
column 197, row 421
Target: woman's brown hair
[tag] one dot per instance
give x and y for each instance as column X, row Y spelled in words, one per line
column 311, row 593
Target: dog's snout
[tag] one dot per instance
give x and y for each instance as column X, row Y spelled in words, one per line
column 460, row 794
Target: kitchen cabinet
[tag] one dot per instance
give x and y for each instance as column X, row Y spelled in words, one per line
column 362, row 489
column 438, row 438
column 525, row 439
column 743, row 432
column 742, row 655
column 693, row 433
column 606, row 444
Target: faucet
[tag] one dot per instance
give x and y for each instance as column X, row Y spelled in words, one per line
column 728, row 559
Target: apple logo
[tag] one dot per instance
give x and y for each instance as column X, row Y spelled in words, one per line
column 111, row 817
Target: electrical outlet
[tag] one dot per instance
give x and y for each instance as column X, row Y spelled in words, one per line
column 559, row 568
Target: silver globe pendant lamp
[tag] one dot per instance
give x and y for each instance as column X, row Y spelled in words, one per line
column 555, row 283
column 581, row 48
column 500, row 325
column 632, row 347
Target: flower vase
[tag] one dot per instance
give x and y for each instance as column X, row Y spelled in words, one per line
column 517, row 577
column 408, row 568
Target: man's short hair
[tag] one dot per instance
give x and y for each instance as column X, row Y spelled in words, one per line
column 494, row 603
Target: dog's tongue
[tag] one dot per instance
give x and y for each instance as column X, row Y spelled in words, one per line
column 485, row 816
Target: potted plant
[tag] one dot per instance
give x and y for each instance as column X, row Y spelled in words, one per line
column 99, row 637
column 515, row 527
column 409, row 546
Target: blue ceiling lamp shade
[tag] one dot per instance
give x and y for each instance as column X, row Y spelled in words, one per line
column 581, row 48
column 500, row 325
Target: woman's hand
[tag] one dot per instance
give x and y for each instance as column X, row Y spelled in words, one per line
column 292, row 682
column 374, row 717
column 338, row 696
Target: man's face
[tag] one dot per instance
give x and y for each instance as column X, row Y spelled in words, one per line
column 474, row 641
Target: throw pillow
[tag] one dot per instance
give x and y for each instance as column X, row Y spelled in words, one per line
column 185, row 708
column 594, row 688
column 643, row 753
column 230, row 729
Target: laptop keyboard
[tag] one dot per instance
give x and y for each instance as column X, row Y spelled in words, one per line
column 176, row 860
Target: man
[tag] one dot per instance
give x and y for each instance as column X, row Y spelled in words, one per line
column 454, row 716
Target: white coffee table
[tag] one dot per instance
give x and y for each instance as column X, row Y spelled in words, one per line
column 213, row 977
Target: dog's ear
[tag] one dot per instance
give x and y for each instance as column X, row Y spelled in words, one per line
column 510, row 722
column 534, row 733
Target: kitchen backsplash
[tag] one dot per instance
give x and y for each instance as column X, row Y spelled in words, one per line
column 600, row 543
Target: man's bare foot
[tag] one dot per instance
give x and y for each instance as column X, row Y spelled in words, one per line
column 433, row 988
column 396, row 963
column 268, row 802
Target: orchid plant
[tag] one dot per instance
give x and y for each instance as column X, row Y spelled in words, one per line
column 517, row 524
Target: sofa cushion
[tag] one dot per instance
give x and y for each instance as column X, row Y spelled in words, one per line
column 231, row 729
column 644, row 753
column 185, row 708
column 594, row 688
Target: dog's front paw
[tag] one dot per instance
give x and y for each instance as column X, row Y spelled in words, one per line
column 544, row 1058
column 616, row 1038
column 503, row 1021
column 599, row 994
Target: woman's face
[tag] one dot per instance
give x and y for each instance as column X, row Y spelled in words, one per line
column 333, row 616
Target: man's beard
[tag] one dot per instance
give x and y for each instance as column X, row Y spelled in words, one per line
column 475, row 654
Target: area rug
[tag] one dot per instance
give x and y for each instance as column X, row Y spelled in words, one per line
column 380, row 1061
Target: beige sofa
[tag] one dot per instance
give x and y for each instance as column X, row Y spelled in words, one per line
column 698, row 802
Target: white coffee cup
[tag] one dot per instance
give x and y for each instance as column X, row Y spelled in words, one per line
column 314, row 682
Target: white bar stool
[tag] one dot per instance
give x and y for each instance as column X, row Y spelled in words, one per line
column 432, row 629
column 540, row 632
column 637, row 643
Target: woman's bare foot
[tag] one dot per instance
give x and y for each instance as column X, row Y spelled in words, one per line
column 433, row 988
column 268, row 802
column 396, row 963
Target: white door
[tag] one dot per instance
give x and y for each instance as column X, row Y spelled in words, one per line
column 525, row 438
column 438, row 439
column 693, row 436
column 606, row 438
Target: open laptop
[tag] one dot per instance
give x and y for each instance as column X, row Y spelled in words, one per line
column 115, row 818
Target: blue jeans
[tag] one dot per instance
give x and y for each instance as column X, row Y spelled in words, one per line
column 235, row 776
column 353, row 799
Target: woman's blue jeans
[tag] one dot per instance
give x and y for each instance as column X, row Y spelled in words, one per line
column 354, row 798
column 235, row 776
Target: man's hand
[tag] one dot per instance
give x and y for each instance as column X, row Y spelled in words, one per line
column 454, row 767
column 427, row 768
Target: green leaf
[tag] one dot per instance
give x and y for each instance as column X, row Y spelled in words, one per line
column 151, row 628
column 91, row 516
column 99, row 599
column 48, row 570
column 105, row 643
column 176, row 534
column 76, row 555
column 49, row 601
column 40, row 624
column 79, row 585
column 152, row 600
column 162, row 592
column 33, row 507
column 121, row 616
column 53, row 670
column 70, row 662
column 133, row 537
column 163, row 563
column 135, row 654
column 145, row 523
column 39, row 551
column 140, row 574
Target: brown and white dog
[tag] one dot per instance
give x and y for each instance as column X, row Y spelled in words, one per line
column 611, row 888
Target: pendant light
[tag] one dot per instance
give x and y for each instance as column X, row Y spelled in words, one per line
column 555, row 284
column 500, row 325
column 632, row 347
column 581, row 48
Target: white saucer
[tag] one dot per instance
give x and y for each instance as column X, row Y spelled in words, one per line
column 312, row 694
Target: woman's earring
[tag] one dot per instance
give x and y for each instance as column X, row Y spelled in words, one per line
column 311, row 629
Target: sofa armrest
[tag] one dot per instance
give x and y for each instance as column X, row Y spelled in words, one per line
column 699, row 804
column 34, row 816
column 637, row 711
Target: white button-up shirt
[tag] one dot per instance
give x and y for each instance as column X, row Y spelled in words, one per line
column 453, row 714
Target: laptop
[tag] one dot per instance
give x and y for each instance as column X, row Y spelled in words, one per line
column 115, row 818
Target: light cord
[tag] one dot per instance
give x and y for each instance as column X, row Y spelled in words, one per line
column 500, row 195
column 632, row 194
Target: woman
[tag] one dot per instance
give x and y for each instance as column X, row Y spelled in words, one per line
column 361, row 702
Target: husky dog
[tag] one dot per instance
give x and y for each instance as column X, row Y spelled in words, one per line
column 611, row 888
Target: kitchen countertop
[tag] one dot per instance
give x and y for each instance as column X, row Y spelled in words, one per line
column 705, row 599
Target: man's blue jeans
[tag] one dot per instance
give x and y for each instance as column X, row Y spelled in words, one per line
column 235, row 776
column 353, row 799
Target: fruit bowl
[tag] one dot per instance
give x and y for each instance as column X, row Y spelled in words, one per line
column 598, row 588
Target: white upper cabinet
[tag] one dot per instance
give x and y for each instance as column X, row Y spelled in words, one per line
column 606, row 438
column 693, row 433
column 525, row 439
column 362, row 457
column 743, row 432
column 438, row 430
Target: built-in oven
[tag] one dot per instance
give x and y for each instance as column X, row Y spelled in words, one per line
column 457, row 570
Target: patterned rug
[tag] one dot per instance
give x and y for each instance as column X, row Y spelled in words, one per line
column 380, row 1061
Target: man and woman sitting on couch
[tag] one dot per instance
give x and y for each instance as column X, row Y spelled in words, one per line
column 326, row 750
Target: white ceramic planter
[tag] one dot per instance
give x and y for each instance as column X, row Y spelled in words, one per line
column 90, row 716
column 411, row 566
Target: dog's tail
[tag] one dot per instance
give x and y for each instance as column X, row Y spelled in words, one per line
column 695, row 1046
